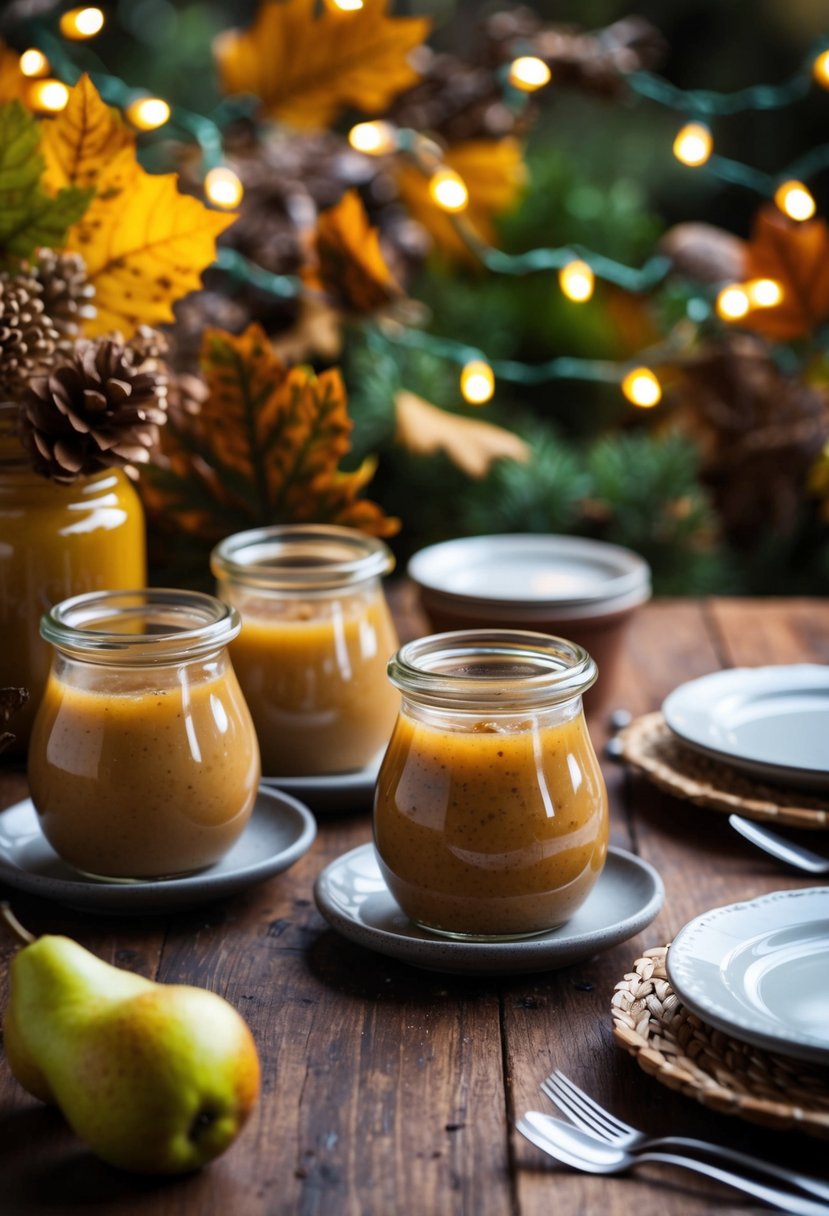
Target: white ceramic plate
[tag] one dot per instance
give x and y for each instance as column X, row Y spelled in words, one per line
column 336, row 793
column 353, row 898
column 279, row 831
column 760, row 971
column 771, row 721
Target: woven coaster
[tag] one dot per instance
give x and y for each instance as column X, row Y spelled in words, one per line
column 683, row 1052
column 650, row 746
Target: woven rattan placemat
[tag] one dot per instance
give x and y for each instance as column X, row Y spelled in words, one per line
column 651, row 747
column 683, row 1052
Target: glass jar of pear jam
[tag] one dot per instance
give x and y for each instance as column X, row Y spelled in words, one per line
column 143, row 761
column 490, row 813
column 316, row 638
column 55, row 541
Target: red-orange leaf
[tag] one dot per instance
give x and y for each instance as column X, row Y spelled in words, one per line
column 349, row 266
column 795, row 255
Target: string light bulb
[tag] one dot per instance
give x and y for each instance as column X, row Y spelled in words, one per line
column 47, row 96
column 80, row 23
column 344, row 6
column 373, row 138
column 820, row 69
column 148, row 113
column 577, row 281
column 529, row 73
column 477, row 382
column 448, row 190
column 795, row 200
column 733, row 302
column 34, row 63
column 223, row 187
column 693, row 144
column 642, row 388
column 764, row 293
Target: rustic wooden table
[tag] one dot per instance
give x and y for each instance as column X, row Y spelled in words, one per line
column 391, row 1091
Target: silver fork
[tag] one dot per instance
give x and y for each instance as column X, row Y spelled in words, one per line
column 584, row 1151
column 587, row 1114
column 784, row 850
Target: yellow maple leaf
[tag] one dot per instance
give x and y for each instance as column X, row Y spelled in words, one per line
column 494, row 173
column 84, row 139
column 306, row 66
column 145, row 246
column 349, row 267
column 12, row 81
column 470, row 444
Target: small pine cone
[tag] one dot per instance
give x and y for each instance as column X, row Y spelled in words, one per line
column 27, row 335
column 67, row 294
column 93, row 409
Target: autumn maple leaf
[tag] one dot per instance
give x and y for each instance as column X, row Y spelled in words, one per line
column 264, row 448
column 144, row 244
column 472, row 445
column 349, row 267
column 796, row 256
column 306, row 65
column 494, row 173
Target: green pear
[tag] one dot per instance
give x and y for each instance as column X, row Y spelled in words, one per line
column 157, row 1078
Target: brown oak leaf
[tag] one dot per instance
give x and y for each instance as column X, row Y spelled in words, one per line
column 348, row 264
column 795, row 255
column 306, row 65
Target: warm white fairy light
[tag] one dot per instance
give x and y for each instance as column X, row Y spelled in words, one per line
column 448, row 190
column 693, row 144
column 477, row 382
column 820, row 69
column 47, row 96
column 344, row 6
column 529, row 73
column 80, row 23
column 733, row 302
column 148, row 113
column 764, row 293
column 223, row 187
column 642, row 388
column 795, row 200
column 577, row 281
column 373, row 138
column 34, row 63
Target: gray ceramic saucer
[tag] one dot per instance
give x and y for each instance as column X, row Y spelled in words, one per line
column 333, row 793
column 279, row 831
column 353, row 898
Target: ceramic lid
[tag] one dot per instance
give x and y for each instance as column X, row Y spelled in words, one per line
column 533, row 571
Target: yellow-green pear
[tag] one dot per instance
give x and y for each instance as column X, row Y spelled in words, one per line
column 157, row 1078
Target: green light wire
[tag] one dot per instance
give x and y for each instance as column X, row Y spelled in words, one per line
column 709, row 103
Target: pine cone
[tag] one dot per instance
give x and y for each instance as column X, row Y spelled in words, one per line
column 27, row 335
column 95, row 408
column 67, row 294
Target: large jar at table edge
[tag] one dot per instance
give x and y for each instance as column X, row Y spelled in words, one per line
column 56, row 541
column 316, row 637
column 143, row 760
column 490, row 814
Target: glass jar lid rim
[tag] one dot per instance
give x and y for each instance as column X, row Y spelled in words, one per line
column 301, row 557
column 494, row 668
column 188, row 624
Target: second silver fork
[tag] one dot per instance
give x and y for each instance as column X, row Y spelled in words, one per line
column 588, row 1115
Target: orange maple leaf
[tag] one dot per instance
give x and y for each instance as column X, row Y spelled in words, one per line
column 264, row 448
column 306, row 66
column 349, row 267
column 795, row 255
column 494, row 173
